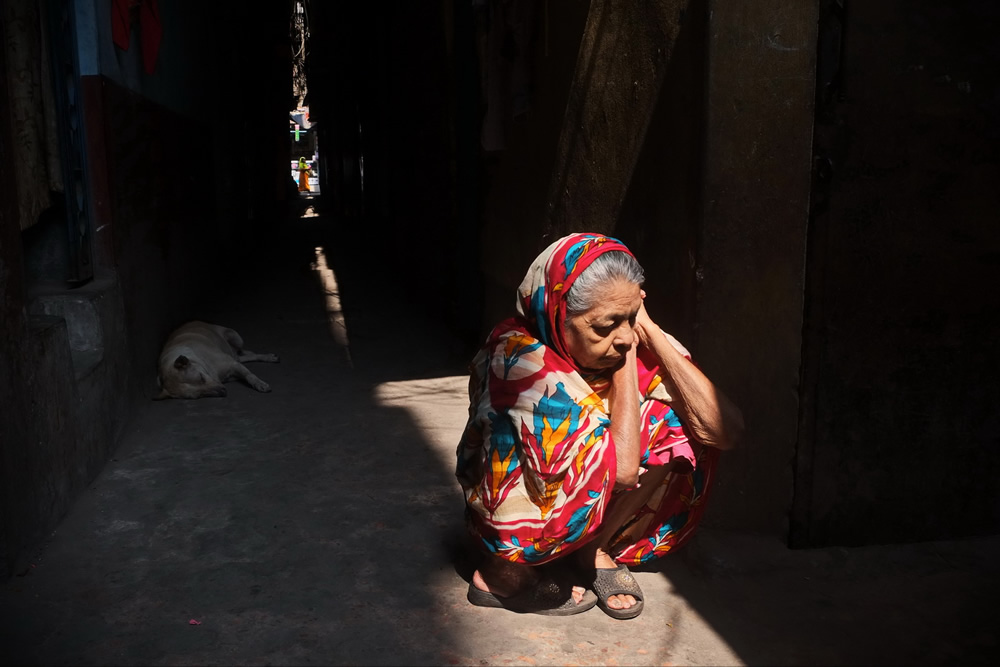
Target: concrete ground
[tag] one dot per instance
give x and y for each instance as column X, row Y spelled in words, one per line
column 321, row 524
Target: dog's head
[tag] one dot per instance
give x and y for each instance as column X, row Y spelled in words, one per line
column 188, row 378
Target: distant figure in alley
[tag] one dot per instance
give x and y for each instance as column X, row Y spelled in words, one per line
column 305, row 171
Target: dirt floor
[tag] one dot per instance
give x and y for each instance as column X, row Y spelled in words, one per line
column 322, row 524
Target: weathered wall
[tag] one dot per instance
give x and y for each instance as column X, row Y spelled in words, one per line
column 899, row 442
column 625, row 54
column 13, row 331
column 751, row 264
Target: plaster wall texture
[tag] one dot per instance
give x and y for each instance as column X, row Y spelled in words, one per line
column 40, row 457
column 758, row 139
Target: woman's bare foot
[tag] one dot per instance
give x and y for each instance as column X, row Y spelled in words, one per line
column 505, row 579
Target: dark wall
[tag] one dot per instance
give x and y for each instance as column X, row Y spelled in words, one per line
column 661, row 214
column 13, row 330
column 751, row 244
column 899, row 439
column 166, row 235
column 517, row 176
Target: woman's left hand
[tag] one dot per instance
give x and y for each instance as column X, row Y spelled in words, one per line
column 645, row 328
column 712, row 418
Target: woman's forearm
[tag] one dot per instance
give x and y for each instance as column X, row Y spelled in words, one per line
column 625, row 422
column 711, row 417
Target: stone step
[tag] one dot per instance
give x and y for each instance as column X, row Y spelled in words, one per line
column 85, row 310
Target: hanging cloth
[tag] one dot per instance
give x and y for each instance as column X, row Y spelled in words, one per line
column 121, row 23
column 150, row 29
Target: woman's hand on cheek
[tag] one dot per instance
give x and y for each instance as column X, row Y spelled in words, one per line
column 644, row 325
column 647, row 331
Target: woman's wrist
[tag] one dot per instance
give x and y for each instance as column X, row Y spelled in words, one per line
column 646, row 329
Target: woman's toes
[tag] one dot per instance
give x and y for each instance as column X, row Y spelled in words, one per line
column 621, row 601
column 578, row 593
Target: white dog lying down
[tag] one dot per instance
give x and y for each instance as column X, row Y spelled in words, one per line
column 199, row 357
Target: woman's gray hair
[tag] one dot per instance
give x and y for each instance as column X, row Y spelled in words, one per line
column 588, row 289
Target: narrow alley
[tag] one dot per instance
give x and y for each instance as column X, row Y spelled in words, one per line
column 809, row 187
column 322, row 524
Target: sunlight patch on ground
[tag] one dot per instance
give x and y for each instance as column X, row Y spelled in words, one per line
column 334, row 313
column 438, row 406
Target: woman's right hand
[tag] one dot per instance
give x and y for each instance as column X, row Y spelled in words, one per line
column 628, row 361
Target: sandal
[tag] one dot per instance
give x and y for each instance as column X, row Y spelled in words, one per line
column 548, row 598
column 617, row 581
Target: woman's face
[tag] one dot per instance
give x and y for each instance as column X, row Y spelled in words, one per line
column 599, row 338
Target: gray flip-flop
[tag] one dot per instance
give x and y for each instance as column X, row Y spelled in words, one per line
column 617, row 581
column 548, row 598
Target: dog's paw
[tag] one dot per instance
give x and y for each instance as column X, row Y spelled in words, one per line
column 270, row 358
column 262, row 387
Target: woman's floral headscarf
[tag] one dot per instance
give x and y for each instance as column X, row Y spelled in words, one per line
column 542, row 294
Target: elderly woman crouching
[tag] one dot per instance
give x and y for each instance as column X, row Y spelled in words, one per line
column 591, row 439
